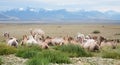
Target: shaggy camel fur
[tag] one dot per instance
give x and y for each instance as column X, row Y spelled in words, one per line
column 11, row 41
column 89, row 44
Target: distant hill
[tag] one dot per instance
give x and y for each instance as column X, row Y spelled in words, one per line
column 3, row 17
column 31, row 14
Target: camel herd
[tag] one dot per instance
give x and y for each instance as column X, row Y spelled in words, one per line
column 37, row 37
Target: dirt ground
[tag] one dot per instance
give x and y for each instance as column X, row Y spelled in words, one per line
column 13, row 60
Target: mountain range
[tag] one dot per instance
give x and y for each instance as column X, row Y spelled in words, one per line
column 30, row 14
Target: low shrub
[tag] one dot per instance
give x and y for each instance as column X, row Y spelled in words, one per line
column 55, row 56
column 28, row 52
column 38, row 61
column 48, row 56
column 1, row 61
column 111, row 53
column 117, row 34
column 74, row 50
column 6, row 50
column 96, row 31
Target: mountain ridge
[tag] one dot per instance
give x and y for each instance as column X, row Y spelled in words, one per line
column 30, row 14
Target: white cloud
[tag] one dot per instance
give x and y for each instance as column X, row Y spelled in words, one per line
column 71, row 5
column 21, row 9
column 32, row 9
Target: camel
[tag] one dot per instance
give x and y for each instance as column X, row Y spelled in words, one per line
column 57, row 41
column 103, row 42
column 87, row 43
column 6, row 35
column 11, row 41
column 33, row 40
column 28, row 40
column 39, row 32
column 108, row 43
column 42, row 42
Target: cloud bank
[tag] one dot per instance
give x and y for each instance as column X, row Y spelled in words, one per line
column 70, row 5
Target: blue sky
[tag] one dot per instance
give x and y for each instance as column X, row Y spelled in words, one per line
column 70, row 5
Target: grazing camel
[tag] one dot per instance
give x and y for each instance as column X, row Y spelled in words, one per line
column 103, row 42
column 24, row 40
column 117, row 40
column 67, row 40
column 48, row 40
column 37, row 32
column 79, row 37
column 89, row 44
column 57, row 41
column 44, row 45
column 60, row 41
column 33, row 40
column 12, row 42
column 108, row 43
column 42, row 42
column 100, row 39
column 6, row 35
column 71, row 40
column 28, row 40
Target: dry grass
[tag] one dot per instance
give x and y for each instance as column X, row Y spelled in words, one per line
column 18, row 30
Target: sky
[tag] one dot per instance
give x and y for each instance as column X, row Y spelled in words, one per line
column 70, row 5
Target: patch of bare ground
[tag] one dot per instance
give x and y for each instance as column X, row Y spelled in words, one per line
column 92, row 61
column 12, row 60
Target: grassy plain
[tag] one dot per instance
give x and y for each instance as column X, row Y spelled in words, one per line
column 56, row 30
